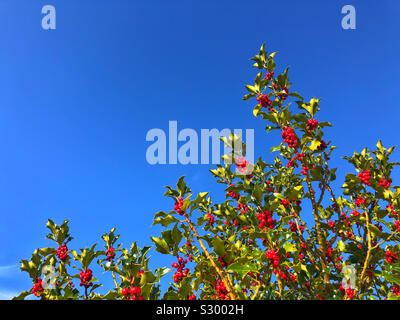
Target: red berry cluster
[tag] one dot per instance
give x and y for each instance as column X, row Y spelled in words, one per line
column 391, row 210
column 192, row 297
column 289, row 137
column 62, row 252
column 243, row 208
column 37, row 287
column 132, row 294
column 265, row 219
column 397, row 225
column 232, row 194
column 283, row 95
column 243, row 166
column 286, row 202
column 178, row 206
column 328, row 252
column 210, row 218
column 269, row 75
column 350, row 293
column 180, row 272
column 305, row 170
column 365, row 176
column 222, row 292
column 390, row 256
column 293, row 227
column 86, row 277
column 301, row 253
column 322, row 146
column 110, row 253
column 311, row 125
column 338, row 263
column 273, row 256
column 299, row 156
column 265, row 101
column 396, row 290
column 359, row 201
column 222, row 261
column 385, row 183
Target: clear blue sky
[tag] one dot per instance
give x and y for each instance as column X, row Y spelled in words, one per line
column 77, row 102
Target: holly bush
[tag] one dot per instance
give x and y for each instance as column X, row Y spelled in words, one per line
column 256, row 244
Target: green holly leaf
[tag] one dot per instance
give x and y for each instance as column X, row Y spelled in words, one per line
column 219, row 247
column 242, row 268
column 161, row 245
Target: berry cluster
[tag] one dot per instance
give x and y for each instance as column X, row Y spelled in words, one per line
column 222, row 292
column 180, row 272
column 391, row 210
column 305, row 170
column 365, row 176
column 222, row 261
column 286, row 202
column 299, row 156
column 62, row 252
column 349, row 292
column 110, row 253
column 385, row 183
column 328, row 252
column 269, row 75
column 265, row 101
column 232, row 194
column 243, row 166
column 322, row 146
column 311, row 125
column 265, row 219
column 132, row 294
column 210, row 218
column 243, row 208
column 396, row 290
column 273, row 256
column 86, row 277
column 359, row 201
column 289, row 137
column 178, row 206
column 37, row 287
column 390, row 256
column 293, row 227
column 301, row 253
column 284, row 94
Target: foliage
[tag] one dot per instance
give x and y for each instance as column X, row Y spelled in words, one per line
column 256, row 244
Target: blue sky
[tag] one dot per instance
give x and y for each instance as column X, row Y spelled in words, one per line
column 77, row 102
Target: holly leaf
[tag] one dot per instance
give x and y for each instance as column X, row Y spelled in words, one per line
column 242, row 268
